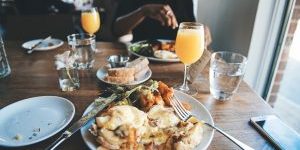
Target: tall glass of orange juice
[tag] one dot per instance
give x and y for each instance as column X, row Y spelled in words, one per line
column 90, row 20
column 189, row 47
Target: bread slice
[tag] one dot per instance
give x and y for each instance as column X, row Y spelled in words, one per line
column 138, row 64
column 139, row 75
column 119, row 80
column 121, row 72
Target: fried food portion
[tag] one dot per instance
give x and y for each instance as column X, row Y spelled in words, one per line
column 166, row 92
column 148, row 99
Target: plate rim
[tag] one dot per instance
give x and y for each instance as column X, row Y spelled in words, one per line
column 61, row 42
column 175, row 91
column 152, row 58
column 127, row 84
column 47, row 136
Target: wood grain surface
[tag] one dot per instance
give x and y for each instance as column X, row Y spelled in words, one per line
column 35, row 75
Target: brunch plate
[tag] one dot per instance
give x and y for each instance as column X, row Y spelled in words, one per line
column 34, row 119
column 102, row 73
column 198, row 110
column 45, row 45
column 152, row 58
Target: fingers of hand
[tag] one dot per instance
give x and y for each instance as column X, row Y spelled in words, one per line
column 169, row 15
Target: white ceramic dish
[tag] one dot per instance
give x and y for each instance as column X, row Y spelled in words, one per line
column 102, row 73
column 46, row 45
column 34, row 119
column 152, row 58
column 198, row 110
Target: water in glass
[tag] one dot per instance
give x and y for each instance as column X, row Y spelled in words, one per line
column 4, row 65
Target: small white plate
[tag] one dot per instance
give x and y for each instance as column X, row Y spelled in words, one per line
column 102, row 73
column 44, row 46
column 152, row 58
column 198, row 110
column 34, row 119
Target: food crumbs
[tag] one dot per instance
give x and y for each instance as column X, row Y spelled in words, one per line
column 30, row 138
column 37, row 130
column 18, row 137
column 49, row 124
column 34, row 134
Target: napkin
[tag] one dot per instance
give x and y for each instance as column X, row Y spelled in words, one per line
column 65, row 60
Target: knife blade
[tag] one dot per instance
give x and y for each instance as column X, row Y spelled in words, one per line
column 37, row 44
column 99, row 105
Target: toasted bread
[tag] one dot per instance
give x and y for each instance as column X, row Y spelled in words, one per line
column 138, row 64
column 120, row 80
column 121, row 72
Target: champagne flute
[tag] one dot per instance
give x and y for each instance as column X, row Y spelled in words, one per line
column 189, row 48
column 90, row 20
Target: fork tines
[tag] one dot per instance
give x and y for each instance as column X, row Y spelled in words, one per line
column 182, row 113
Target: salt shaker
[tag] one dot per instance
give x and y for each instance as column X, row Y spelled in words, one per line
column 4, row 65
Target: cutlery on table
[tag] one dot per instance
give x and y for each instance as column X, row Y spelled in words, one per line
column 101, row 104
column 37, row 44
column 185, row 115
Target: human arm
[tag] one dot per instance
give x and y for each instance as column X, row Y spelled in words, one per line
column 162, row 13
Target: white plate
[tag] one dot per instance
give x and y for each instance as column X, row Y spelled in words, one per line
column 152, row 58
column 34, row 119
column 55, row 43
column 102, row 73
column 198, row 110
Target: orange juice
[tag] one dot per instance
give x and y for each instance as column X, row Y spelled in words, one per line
column 189, row 45
column 90, row 21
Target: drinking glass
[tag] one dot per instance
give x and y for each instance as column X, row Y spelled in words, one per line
column 90, row 20
column 4, row 65
column 68, row 79
column 225, row 74
column 189, row 47
column 84, row 47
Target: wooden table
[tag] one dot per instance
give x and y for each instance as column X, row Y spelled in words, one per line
column 35, row 75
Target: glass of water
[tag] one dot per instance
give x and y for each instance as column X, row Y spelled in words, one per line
column 4, row 66
column 226, row 73
column 84, row 47
column 68, row 79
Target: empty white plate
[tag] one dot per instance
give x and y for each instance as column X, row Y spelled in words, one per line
column 34, row 119
column 45, row 45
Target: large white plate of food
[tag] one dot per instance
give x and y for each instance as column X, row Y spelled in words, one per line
column 135, row 72
column 155, row 50
column 146, row 120
column 34, row 119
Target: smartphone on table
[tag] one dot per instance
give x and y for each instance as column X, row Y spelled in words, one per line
column 281, row 135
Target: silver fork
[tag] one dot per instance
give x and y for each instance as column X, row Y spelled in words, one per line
column 185, row 115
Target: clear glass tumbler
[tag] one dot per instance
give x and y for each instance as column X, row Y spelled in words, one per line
column 68, row 79
column 226, row 73
column 84, row 47
column 4, row 65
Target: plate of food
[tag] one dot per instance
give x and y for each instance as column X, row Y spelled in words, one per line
column 155, row 50
column 34, row 119
column 146, row 120
column 45, row 45
column 135, row 72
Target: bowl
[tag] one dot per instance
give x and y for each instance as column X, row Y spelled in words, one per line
column 117, row 61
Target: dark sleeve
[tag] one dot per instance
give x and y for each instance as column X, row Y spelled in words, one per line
column 190, row 10
column 125, row 7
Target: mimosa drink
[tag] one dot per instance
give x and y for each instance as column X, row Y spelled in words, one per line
column 189, row 45
column 90, row 21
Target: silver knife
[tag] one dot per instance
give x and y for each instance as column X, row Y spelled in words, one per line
column 37, row 44
column 100, row 105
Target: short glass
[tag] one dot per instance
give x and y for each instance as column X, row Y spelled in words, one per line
column 4, row 65
column 226, row 73
column 84, row 47
column 68, row 79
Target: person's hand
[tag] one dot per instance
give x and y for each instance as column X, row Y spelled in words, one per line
column 163, row 13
